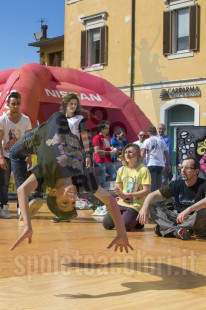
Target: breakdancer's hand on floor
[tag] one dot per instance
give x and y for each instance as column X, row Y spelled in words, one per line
column 122, row 243
column 27, row 234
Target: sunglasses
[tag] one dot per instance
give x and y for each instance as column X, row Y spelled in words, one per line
column 142, row 136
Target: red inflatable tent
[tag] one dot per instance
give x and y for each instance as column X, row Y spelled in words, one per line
column 42, row 89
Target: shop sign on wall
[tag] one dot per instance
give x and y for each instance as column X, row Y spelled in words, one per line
column 180, row 92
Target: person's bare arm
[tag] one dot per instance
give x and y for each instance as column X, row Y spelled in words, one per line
column 168, row 161
column 23, row 191
column 142, row 153
column 29, row 158
column 144, row 212
column 102, row 152
column 118, row 188
column 3, row 163
column 142, row 193
column 85, row 141
column 121, row 241
column 197, row 206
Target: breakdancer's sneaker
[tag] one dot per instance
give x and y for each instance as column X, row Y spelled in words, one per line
column 34, row 206
column 59, row 220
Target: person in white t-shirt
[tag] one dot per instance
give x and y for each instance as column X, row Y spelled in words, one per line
column 13, row 125
column 142, row 136
column 155, row 149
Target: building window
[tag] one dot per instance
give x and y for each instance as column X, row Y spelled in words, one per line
column 181, row 30
column 94, row 44
column 94, row 41
column 94, row 47
column 55, row 59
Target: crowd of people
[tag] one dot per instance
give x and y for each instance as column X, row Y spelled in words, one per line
column 142, row 172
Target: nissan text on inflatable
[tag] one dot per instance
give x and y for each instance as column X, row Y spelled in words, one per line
column 42, row 89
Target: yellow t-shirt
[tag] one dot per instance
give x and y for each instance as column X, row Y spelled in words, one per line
column 132, row 180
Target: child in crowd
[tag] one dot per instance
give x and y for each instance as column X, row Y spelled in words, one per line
column 132, row 186
column 60, row 167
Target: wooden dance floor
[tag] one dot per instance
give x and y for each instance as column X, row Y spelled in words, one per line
column 68, row 266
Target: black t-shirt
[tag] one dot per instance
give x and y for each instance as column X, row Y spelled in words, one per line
column 184, row 196
column 59, row 154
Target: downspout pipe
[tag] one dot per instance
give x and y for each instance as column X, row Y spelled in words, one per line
column 132, row 49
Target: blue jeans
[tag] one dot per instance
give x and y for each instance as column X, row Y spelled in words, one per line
column 18, row 155
column 105, row 172
column 156, row 177
column 4, row 182
column 116, row 164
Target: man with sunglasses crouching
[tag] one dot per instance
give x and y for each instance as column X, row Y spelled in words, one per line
column 186, row 217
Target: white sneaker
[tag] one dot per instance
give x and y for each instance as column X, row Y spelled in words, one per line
column 101, row 210
column 34, row 206
column 81, row 205
column 5, row 213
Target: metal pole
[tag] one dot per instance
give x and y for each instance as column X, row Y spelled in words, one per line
column 132, row 49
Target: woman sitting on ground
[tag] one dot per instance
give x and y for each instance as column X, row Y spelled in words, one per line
column 132, row 186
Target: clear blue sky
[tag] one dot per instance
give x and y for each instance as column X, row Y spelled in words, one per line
column 19, row 20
